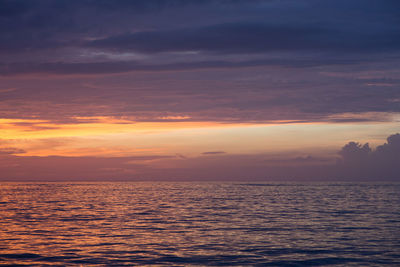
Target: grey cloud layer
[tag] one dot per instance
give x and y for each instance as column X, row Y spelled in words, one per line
column 250, row 94
column 32, row 29
column 208, row 60
column 251, row 38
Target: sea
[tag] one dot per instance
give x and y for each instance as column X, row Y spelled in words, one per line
column 199, row 224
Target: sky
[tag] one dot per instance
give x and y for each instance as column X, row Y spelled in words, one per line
column 182, row 90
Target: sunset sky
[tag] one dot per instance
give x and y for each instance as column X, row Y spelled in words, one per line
column 199, row 90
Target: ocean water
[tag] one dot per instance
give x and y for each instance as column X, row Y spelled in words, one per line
column 199, row 224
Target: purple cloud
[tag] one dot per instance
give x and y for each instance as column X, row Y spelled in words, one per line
column 360, row 161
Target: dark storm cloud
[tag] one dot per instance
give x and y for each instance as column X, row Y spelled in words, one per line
column 216, row 26
column 28, row 26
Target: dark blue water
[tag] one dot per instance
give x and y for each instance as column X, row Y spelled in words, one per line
column 189, row 224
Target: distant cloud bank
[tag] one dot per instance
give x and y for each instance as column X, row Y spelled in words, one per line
column 360, row 161
column 357, row 162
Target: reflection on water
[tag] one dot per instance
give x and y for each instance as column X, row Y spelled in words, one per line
column 213, row 224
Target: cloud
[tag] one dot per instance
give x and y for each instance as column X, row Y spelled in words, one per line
column 112, row 67
column 248, row 37
column 248, row 61
column 257, row 95
column 11, row 151
column 213, row 153
column 41, row 26
column 361, row 162
column 56, row 168
column 354, row 151
column 47, row 32
column 358, row 162
column 169, row 168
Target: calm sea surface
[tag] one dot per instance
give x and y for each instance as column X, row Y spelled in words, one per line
column 186, row 224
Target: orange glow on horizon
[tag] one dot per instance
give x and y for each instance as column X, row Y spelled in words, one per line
column 95, row 126
column 120, row 137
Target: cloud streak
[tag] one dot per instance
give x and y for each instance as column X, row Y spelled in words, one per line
column 113, row 67
column 213, row 153
column 250, row 38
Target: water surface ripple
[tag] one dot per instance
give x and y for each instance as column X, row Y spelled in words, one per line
column 197, row 224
